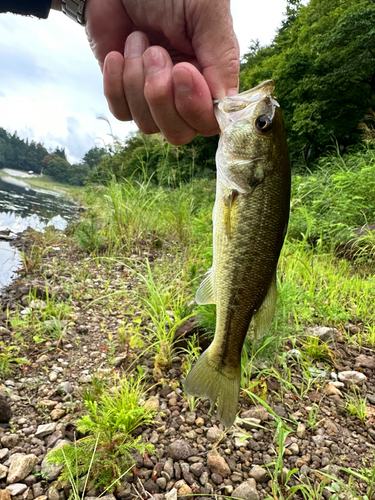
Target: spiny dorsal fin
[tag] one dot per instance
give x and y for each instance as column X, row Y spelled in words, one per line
column 206, row 292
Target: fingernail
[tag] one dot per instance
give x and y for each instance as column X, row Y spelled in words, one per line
column 114, row 65
column 182, row 80
column 153, row 60
column 135, row 45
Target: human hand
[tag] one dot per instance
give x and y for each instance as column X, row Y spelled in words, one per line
column 179, row 56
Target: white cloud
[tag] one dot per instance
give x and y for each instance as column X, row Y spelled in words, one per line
column 53, row 85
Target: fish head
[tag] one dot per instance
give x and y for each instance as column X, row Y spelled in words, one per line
column 252, row 139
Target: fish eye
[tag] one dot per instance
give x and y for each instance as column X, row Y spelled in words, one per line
column 263, row 123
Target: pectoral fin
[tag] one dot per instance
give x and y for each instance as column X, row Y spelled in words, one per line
column 206, row 292
column 262, row 320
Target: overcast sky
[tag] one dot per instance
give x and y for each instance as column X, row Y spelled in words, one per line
column 51, row 85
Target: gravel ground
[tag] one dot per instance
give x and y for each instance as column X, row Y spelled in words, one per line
column 193, row 454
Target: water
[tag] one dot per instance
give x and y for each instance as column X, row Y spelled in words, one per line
column 20, row 207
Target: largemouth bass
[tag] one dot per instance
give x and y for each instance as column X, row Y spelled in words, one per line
column 250, row 220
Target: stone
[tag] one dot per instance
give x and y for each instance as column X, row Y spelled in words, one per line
column 57, row 414
column 324, row 333
column 331, row 390
column 52, row 376
column 260, row 474
column 365, row 361
column 16, row 489
column 21, row 467
column 219, row 465
column 151, row 486
column 5, row 409
column 5, row 495
column 3, row 471
column 161, row 482
column 10, row 441
column 190, row 417
column 45, row 430
column 246, row 490
column 52, row 493
column 171, row 495
column 65, row 388
column 168, row 468
column 152, row 403
column 179, row 450
column 301, row 430
column 197, row 469
column 214, row 434
column 185, row 491
column 352, row 377
column 52, row 471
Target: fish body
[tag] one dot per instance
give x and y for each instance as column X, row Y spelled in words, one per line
column 250, row 219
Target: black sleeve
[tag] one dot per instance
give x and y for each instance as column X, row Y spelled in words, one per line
column 38, row 8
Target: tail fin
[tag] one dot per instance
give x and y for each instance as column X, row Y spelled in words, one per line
column 218, row 383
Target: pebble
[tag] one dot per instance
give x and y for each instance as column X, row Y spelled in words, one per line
column 218, row 464
column 246, row 490
column 16, row 489
column 21, row 467
column 45, row 430
column 352, row 377
column 52, row 376
column 214, row 434
column 179, row 450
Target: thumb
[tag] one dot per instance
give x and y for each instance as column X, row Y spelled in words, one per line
column 216, row 46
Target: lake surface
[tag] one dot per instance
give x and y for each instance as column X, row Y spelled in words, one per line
column 22, row 206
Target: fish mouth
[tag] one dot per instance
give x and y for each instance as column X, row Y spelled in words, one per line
column 232, row 108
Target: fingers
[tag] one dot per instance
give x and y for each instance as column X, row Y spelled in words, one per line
column 193, row 99
column 113, row 86
column 146, row 87
column 159, row 94
column 134, row 82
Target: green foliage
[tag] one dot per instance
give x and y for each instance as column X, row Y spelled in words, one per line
column 9, row 358
column 112, row 414
column 151, row 157
column 322, row 61
column 19, row 154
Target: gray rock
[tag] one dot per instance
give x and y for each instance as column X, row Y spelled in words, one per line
column 4, row 452
column 168, row 468
column 246, row 490
column 5, row 409
column 52, row 493
column 352, row 377
column 365, row 361
column 65, row 388
column 45, row 429
column 10, row 441
column 214, row 434
column 52, row 471
column 179, row 450
column 190, row 417
column 323, row 332
column 16, row 489
column 21, row 467
column 259, row 474
column 3, row 471
column 197, row 469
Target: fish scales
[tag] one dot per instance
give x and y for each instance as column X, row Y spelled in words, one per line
column 250, row 218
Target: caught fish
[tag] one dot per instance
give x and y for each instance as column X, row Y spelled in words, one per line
column 250, row 220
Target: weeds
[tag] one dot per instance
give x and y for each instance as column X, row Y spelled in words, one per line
column 112, row 415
